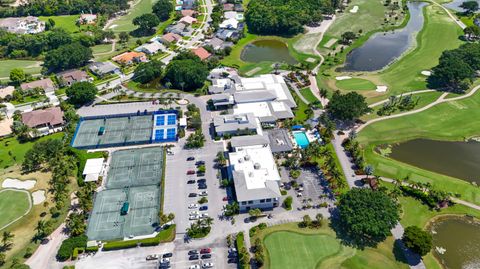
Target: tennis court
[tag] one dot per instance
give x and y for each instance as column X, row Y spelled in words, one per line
column 122, row 130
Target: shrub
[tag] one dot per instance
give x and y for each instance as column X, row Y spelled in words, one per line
column 287, row 203
column 283, row 192
column 91, row 249
column 66, row 249
column 165, row 235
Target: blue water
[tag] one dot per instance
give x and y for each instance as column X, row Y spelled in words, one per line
column 301, row 139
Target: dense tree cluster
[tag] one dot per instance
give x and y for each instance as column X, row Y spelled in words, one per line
column 348, row 106
column 61, row 7
column 67, row 56
column 146, row 24
column 285, row 17
column 162, row 9
column 456, row 68
column 146, row 72
column 418, row 240
column 186, row 72
column 81, row 93
column 366, row 217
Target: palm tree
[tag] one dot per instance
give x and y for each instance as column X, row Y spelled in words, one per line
column 369, row 170
column 208, row 221
column 7, row 240
column 76, row 224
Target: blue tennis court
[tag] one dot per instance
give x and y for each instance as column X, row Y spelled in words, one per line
column 160, row 121
column 172, row 119
column 171, row 133
column 159, row 134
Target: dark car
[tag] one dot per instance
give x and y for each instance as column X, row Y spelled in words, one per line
column 190, row 172
column 167, row 255
column 205, row 250
column 206, row 256
column 203, row 208
column 191, row 181
column 190, row 158
column 192, row 194
column 232, row 260
column 200, row 174
column 202, row 186
column 193, row 252
column 194, row 257
column 200, row 163
column 202, row 180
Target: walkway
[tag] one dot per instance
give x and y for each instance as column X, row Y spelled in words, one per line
column 457, row 21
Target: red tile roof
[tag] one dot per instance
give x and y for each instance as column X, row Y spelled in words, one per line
column 188, row 12
column 201, row 53
column 52, row 116
column 129, row 57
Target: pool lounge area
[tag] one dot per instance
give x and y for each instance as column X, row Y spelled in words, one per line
column 303, row 138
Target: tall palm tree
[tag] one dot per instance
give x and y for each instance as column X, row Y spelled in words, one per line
column 7, row 240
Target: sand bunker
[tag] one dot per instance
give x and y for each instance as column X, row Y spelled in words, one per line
column 343, row 78
column 354, row 9
column 426, row 73
column 38, row 197
column 18, row 184
column 381, row 89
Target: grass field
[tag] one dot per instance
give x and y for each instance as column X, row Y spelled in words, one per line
column 30, row 67
column 307, row 93
column 454, row 120
column 67, row 22
column 124, row 23
column 13, row 152
column 356, row 84
column 299, row 112
column 13, row 204
column 291, row 247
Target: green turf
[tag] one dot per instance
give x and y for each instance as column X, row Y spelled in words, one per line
column 13, row 152
column 102, row 48
column 31, row 67
column 356, row 84
column 124, row 23
column 67, row 22
column 307, row 94
column 299, row 111
column 13, row 204
column 455, row 120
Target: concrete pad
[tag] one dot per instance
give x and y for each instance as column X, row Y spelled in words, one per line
column 354, row 9
column 343, row 78
column 426, row 73
column 38, row 197
column 18, row 184
column 253, row 71
column 330, row 42
column 310, row 60
column 381, row 89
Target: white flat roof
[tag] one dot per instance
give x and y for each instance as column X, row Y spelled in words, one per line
column 93, row 166
column 257, row 165
column 259, row 109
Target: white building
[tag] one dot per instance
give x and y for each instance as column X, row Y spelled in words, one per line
column 237, row 124
column 93, row 169
column 254, row 173
column 23, row 25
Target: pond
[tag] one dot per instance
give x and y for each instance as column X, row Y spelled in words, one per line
column 459, row 237
column 383, row 48
column 456, row 159
column 267, row 50
column 455, row 5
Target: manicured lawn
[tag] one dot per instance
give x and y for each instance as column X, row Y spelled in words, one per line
column 291, row 247
column 102, row 48
column 299, row 111
column 356, row 84
column 13, row 204
column 13, row 152
column 67, row 22
column 307, row 93
column 31, row 67
column 124, row 23
column 455, row 120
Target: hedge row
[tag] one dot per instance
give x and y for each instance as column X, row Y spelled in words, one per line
column 166, row 235
column 68, row 245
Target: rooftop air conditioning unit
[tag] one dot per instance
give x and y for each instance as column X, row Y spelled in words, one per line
column 256, row 166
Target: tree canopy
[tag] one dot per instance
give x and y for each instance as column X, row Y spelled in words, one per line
column 366, row 217
column 418, row 240
column 469, row 6
column 348, row 106
column 146, row 72
column 162, row 9
column 81, row 93
column 186, row 72
column 285, row 17
column 146, row 23
column 67, row 56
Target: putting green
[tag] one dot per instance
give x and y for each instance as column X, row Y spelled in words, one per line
column 13, row 205
column 356, row 84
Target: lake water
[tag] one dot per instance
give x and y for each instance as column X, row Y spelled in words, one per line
column 267, row 50
column 460, row 237
column 383, row 48
column 455, row 5
column 456, row 159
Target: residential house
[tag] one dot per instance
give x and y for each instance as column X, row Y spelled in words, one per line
column 188, row 12
column 5, row 126
column 188, row 20
column 245, row 124
column 178, row 28
column 88, row 18
column 239, row 8
column 103, row 69
column 254, row 173
column 218, row 44
column 170, row 38
column 23, row 25
column 202, row 53
column 45, row 121
column 6, row 91
column 46, row 84
column 131, row 57
column 151, row 48
column 231, row 23
column 188, row 4
column 228, row 34
column 67, row 78
column 228, row 7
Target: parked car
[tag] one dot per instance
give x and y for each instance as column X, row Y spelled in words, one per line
column 194, row 217
column 204, row 215
column 206, row 256
column 190, row 172
column 191, row 181
column 232, row 250
column 195, row 266
column 225, row 198
column 167, row 255
column 207, row 265
column 203, row 193
column 165, row 260
column 202, row 180
column 205, row 250
column 200, row 174
column 202, row 186
column 194, row 257
column 193, row 252
column 203, row 208
column 193, row 213
column 232, row 260
column 192, row 206
column 200, row 163
column 152, row 257
column 192, row 194
column 190, row 159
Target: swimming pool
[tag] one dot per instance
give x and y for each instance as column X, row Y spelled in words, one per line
column 301, row 139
